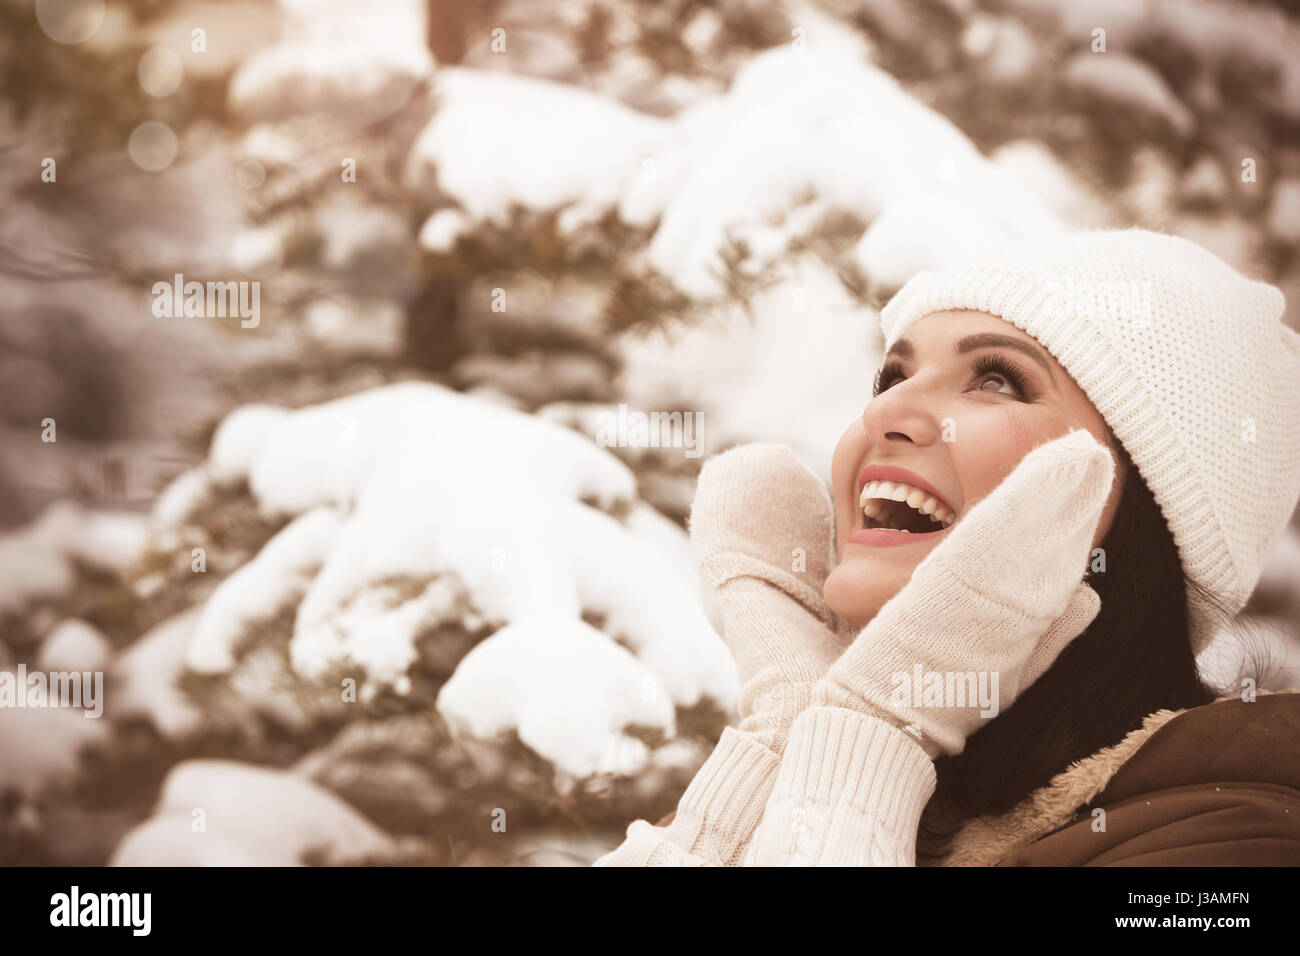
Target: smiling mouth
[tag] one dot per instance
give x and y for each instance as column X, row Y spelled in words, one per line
column 897, row 506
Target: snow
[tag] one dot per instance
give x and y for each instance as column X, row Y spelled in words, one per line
column 903, row 239
column 795, row 121
column 702, row 30
column 566, row 688
column 41, row 746
column 249, row 816
column 666, row 537
column 171, row 841
column 237, row 439
column 181, row 498
column 338, row 59
column 783, row 375
column 376, row 630
column 1010, row 53
column 263, row 690
column 407, row 493
column 38, row 561
column 441, row 230
column 1071, row 200
column 277, row 577
column 144, row 685
column 144, row 678
column 579, row 145
column 107, row 540
column 393, row 439
column 73, row 646
column 824, row 33
column 33, row 560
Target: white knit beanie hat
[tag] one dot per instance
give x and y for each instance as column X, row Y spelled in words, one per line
column 1186, row 360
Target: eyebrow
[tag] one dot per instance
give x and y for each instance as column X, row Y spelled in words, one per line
column 983, row 340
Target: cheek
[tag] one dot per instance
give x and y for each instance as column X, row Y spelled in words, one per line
column 995, row 444
column 850, row 450
column 988, row 447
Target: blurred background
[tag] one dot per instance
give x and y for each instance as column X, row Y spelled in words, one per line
column 368, row 579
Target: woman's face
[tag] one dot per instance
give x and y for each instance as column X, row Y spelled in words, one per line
column 962, row 397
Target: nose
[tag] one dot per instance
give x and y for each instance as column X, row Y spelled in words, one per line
column 903, row 413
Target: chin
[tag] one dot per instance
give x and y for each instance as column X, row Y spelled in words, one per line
column 861, row 583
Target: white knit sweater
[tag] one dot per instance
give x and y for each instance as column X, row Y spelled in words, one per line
column 848, row 790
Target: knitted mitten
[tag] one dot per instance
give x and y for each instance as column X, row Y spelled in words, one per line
column 762, row 529
column 998, row 600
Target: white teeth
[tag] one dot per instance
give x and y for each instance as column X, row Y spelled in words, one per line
column 865, row 497
column 874, row 493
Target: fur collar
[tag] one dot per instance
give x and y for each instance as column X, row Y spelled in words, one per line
column 987, row 839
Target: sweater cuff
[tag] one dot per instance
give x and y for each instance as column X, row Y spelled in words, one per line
column 835, row 753
column 717, row 815
column 850, row 791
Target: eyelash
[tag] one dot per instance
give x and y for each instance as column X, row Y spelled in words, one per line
column 990, row 364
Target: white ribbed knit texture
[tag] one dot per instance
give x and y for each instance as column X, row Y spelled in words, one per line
column 850, row 792
column 1186, row 360
column 716, row 816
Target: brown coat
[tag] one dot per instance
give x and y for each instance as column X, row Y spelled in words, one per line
column 1217, row 785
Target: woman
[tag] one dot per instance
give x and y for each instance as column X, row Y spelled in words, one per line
column 981, row 649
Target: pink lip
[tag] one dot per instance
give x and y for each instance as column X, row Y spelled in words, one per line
column 885, row 537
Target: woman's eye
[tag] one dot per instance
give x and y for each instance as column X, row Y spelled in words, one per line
column 994, row 377
column 997, row 368
column 1008, row 379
